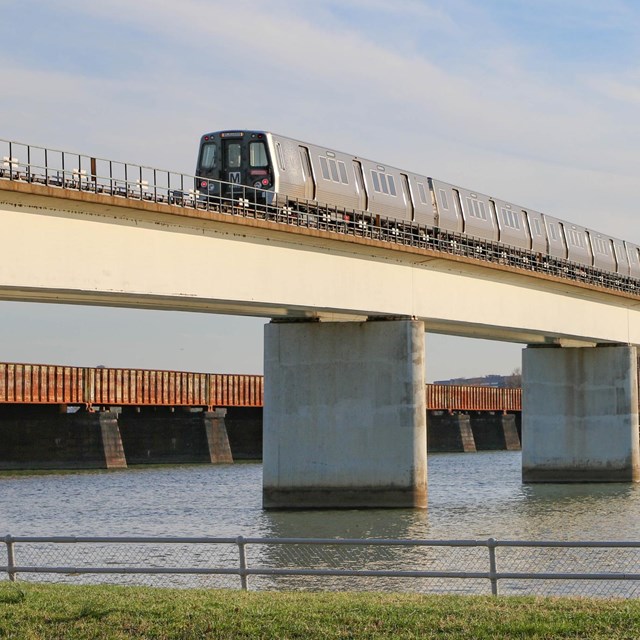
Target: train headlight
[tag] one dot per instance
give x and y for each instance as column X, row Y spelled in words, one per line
column 258, row 184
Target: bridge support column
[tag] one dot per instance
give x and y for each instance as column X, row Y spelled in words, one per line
column 160, row 435
column 495, row 431
column 344, row 415
column 34, row 437
column 217, row 438
column 449, row 432
column 580, row 414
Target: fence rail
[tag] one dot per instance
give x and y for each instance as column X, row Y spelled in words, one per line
column 499, row 567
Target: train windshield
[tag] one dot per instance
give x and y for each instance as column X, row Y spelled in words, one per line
column 209, row 156
column 258, row 155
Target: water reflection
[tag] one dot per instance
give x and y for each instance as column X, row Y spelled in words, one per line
column 470, row 496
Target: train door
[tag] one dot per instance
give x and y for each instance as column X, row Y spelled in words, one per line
column 234, row 170
column 407, row 196
column 307, row 174
column 363, row 198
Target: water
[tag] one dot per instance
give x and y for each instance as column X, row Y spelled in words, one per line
column 476, row 495
column 471, row 496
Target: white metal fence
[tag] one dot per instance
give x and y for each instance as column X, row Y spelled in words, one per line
column 596, row 569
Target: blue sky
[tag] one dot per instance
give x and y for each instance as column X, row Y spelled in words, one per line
column 535, row 102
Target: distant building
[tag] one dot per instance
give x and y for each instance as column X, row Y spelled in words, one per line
column 491, row 380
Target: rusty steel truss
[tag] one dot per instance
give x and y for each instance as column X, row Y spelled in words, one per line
column 105, row 387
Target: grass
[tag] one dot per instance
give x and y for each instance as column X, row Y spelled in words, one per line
column 39, row 611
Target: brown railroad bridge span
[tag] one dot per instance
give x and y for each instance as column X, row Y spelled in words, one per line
column 82, row 417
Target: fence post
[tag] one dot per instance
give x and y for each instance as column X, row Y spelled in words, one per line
column 492, row 544
column 11, row 559
column 243, row 562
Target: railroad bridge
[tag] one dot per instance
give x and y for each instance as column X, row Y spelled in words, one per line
column 54, row 416
column 344, row 353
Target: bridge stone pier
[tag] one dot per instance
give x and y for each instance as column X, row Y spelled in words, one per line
column 344, row 415
column 580, row 414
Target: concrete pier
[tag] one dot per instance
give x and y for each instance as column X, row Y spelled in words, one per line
column 345, row 416
column 495, row 431
column 46, row 437
column 580, row 414
column 244, row 429
column 449, row 432
column 155, row 435
column 217, row 438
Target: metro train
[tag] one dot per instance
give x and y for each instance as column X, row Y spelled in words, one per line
column 287, row 170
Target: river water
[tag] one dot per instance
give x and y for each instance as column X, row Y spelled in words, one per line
column 471, row 496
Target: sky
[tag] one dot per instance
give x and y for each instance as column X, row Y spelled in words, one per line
column 531, row 101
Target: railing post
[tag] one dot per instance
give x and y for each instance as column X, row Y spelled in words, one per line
column 492, row 544
column 11, row 559
column 243, row 562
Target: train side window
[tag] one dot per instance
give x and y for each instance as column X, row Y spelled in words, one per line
column 510, row 218
column 443, row 199
column 280, row 155
column 472, row 211
column 258, row 155
column 536, row 227
column 334, row 170
column 600, row 246
column 324, row 167
column 477, row 209
column 552, row 232
column 422, row 193
column 392, row 185
column 376, row 182
column 383, row 183
column 343, row 172
column 576, row 238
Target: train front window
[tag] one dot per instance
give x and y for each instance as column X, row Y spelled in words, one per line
column 209, row 157
column 258, row 155
column 234, row 155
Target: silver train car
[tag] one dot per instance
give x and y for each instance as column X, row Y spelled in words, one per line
column 287, row 170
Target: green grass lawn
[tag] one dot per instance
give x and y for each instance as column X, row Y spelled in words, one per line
column 61, row 611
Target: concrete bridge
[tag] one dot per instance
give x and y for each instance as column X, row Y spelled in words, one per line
column 344, row 354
